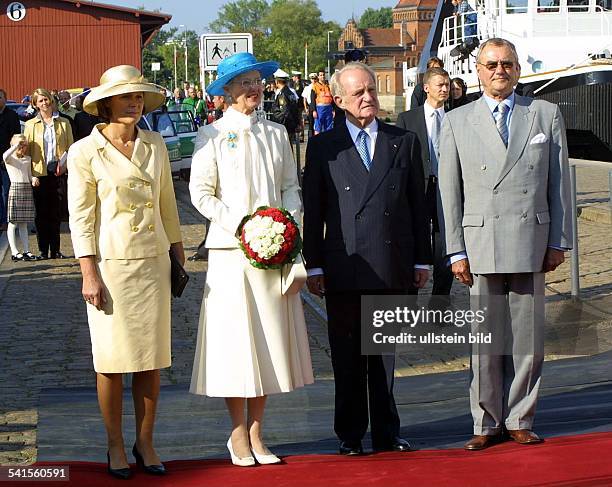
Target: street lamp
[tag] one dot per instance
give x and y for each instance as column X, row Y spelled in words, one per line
column 173, row 43
column 328, row 65
column 185, row 51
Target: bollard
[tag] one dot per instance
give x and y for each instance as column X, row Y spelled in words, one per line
column 575, row 261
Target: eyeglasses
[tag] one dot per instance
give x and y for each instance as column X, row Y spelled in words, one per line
column 492, row 65
column 249, row 83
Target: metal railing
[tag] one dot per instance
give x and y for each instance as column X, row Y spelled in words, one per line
column 574, row 254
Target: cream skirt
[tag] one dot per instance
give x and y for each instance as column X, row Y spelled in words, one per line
column 252, row 340
column 132, row 332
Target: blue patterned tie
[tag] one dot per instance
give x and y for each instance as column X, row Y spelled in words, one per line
column 362, row 148
column 500, row 122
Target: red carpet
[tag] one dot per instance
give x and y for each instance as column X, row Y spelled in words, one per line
column 574, row 461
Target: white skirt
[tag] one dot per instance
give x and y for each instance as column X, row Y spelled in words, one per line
column 252, row 340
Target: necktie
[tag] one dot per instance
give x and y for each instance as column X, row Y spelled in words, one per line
column 435, row 142
column 500, row 122
column 362, row 148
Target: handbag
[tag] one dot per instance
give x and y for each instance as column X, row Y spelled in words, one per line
column 178, row 276
column 293, row 276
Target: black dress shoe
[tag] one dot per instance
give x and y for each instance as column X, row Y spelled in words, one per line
column 150, row 469
column 43, row 257
column 351, row 448
column 396, row 444
column 58, row 255
column 119, row 473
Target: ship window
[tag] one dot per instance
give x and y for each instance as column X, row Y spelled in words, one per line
column 605, row 4
column 547, row 6
column 517, row 6
column 577, row 5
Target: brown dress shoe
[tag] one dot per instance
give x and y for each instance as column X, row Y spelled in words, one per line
column 480, row 442
column 524, row 437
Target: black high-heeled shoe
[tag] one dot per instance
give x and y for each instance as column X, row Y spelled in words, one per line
column 119, row 473
column 150, row 469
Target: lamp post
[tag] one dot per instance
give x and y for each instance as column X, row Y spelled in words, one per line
column 185, row 51
column 328, row 64
column 173, row 43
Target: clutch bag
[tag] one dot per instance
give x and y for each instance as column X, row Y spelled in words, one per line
column 293, row 276
column 178, row 276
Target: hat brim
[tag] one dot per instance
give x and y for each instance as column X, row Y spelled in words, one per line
column 265, row 68
column 153, row 98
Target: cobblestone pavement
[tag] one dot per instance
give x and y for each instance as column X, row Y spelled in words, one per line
column 44, row 338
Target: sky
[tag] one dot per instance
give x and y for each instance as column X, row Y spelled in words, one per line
column 196, row 15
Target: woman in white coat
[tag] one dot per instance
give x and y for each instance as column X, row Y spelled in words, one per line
column 252, row 339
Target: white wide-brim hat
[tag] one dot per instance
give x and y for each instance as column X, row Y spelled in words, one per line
column 120, row 80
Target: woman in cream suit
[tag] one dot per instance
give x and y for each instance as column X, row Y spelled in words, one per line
column 124, row 219
column 252, row 339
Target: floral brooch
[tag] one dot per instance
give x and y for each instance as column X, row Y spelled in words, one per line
column 232, row 138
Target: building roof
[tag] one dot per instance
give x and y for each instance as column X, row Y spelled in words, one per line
column 150, row 22
column 384, row 37
column 417, row 3
column 381, row 37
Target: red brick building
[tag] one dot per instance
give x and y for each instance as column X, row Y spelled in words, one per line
column 59, row 44
column 388, row 49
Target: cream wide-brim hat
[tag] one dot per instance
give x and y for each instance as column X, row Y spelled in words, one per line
column 120, row 80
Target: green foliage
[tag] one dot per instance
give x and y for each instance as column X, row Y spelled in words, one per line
column 161, row 50
column 290, row 25
column 280, row 29
column 240, row 16
column 381, row 18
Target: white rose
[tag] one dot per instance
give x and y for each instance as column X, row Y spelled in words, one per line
column 279, row 239
column 278, row 227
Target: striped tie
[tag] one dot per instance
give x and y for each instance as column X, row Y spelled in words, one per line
column 500, row 122
column 362, row 148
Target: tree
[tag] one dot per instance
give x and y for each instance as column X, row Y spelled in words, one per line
column 280, row 30
column 381, row 18
column 161, row 50
column 290, row 25
column 240, row 16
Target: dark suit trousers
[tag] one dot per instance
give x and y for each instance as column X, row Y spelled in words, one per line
column 442, row 275
column 47, row 219
column 361, row 381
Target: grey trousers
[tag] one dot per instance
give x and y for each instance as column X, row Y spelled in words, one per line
column 505, row 381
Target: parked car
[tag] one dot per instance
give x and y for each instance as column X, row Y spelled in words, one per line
column 24, row 111
column 161, row 122
column 186, row 129
column 181, row 124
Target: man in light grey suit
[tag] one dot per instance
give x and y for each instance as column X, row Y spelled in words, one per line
column 504, row 184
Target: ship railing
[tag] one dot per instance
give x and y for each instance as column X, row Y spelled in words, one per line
column 567, row 20
column 574, row 254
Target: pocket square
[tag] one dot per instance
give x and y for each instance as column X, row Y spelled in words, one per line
column 539, row 139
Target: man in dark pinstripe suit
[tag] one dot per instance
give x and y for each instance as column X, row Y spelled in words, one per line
column 365, row 232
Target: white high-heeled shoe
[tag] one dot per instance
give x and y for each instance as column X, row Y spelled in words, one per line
column 236, row 460
column 265, row 459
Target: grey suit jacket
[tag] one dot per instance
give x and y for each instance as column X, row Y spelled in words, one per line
column 504, row 207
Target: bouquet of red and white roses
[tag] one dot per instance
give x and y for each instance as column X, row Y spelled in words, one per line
column 269, row 238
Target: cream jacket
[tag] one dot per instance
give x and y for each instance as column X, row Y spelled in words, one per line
column 121, row 208
column 34, row 130
column 240, row 163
